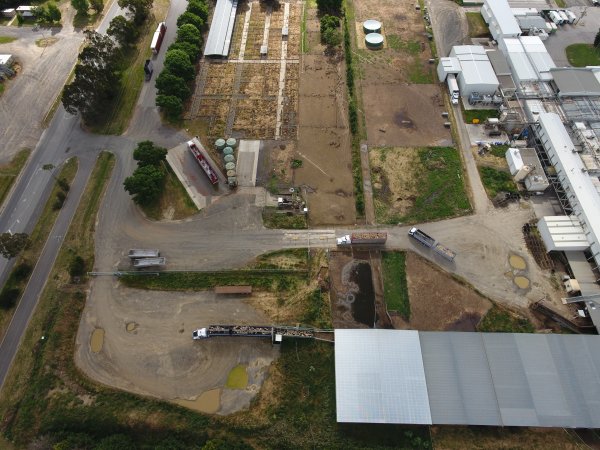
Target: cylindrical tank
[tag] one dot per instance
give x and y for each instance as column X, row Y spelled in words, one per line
column 228, row 151
column 229, row 158
column 232, row 181
column 371, row 26
column 374, row 40
column 230, row 166
column 231, row 142
column 220, row 143
column 231, row 173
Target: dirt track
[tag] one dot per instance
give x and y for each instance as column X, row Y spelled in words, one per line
column 148, row 346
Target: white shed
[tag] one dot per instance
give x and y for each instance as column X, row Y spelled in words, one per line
column 562, row 233
column 9, row 12
column 25, row 11
column 6, row 60
column 446, row 66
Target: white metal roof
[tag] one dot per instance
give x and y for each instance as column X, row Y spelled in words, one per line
column 538, row 56
column 448, row 65
column 562, row 233
column 503, row 16
column 5, row 59
column 518, row 60
column 221, row 28
column 475, row 64
column 573, row 175
column 505, row 379
column 388, row 385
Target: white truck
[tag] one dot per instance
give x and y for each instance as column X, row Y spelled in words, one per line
column 453, row 88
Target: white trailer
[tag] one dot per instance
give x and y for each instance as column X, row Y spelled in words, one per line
column 148, row 262
column 453, row 88
column 136, row 253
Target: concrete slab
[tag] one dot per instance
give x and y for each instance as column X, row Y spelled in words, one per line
column 247, row 163
column 478, row 133
column 193, row 178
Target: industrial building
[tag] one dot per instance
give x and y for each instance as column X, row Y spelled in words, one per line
column 555, row 112
column 476, row 73
column 221, row 29
column 454, row 378
column 500, row 19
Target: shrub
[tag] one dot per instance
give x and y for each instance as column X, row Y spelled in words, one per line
column 77, row 267
column 22, row 271
column 9, row 297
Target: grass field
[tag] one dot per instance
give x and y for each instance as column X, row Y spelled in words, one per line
column 499, row 151
column 480, row 114
column 7, row 39
column 496, row 181
column 477, row 26
column 502, row 320
column 442, row 191
column 395, row 288
column 26, row 261
column 9, row 172
column 581, row 55
column 274, row 219
column 174, row 201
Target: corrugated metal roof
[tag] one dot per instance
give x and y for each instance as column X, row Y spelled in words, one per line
column 499, row 62
column 572, row 81
column 476, row 67
column 387, row 385
column 458, row 396
column 471, row 378
column 503, row 16
column 517, row 58
column 221, row 28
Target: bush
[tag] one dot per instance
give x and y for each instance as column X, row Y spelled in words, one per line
column 22, row 271
column 191, row 19
column 170, row 104
column 9, row 297
column 77, row 267
column 353, row 116
column 199, row 8
column 64, row 184
column 328, row 22
column 192, row 50
column 60, row 200
column 332, row 38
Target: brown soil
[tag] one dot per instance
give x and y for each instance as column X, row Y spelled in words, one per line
column 404, row 115
column 438, row 302
column 394, row 175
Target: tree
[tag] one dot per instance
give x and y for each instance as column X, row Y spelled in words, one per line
column 330, row 6
column 328, row 22
column 139, row 9
column 191, row 19
column 148, row 154
column 331, row 37
column 77, row 267
column 96, row 79
column 144, row 184
column 9, row 296
column 11, row 244
column 53, row 14
column 178, row 63
column 169, row 84
column 193, row 51
column 81, row 6
column 172, row 105
column 198, row 8
column 597, row 39
column 97, row 5
column 122, row 30
column 188, row 33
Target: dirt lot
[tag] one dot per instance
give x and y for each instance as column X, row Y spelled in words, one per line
column 437, row 301
column 148, row 348
column 405, row 115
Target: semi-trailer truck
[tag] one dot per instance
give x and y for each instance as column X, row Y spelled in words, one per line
column 158, row 37
column 363, row 238
column 203, row 162
column 453, row 88
column 424, row 239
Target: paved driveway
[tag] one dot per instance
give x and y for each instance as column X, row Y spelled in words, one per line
column 583, row 31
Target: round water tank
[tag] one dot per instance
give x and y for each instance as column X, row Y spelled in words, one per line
column 228, row 151
column 229, row 158
column 374, row 40
column 372, row 26
column 231, row 173
column 232, row 180
column 230, row 166
column 231, row 142
column 220, row 143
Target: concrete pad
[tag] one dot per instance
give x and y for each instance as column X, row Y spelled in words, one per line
column 478, row 133
column 192, row 177
column 247, row 163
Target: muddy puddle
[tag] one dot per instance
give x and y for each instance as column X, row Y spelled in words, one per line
column 517, row 262
column 363, row 306
column 522, row 282
column 97, row 340
column 208, row 402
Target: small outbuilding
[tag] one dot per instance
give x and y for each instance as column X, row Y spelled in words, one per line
column 477, row 74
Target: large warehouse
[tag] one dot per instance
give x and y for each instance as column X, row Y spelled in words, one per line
column 454, row 378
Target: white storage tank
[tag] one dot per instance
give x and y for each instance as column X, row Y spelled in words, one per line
column 372, row 26
column 374, row 40
column 514, row 160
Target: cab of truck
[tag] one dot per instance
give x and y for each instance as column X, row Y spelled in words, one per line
column 344, row 240
column 200, row 333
